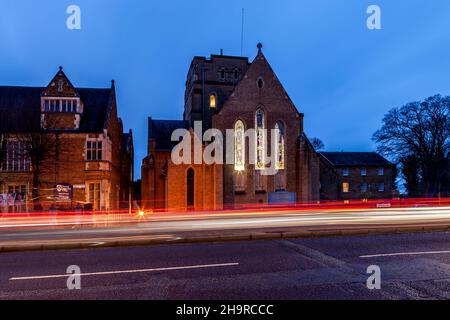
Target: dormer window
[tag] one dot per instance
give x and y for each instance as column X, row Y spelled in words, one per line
column 61, row 105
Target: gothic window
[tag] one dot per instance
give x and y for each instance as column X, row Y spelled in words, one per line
column 280, row 141
column 260, row 139
column 212, row 101
column 260, row 83
column 239, row 146
column 236, row 75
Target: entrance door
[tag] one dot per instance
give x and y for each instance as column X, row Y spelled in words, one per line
column 190, row 189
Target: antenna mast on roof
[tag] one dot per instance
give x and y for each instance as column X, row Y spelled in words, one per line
column 242, row 33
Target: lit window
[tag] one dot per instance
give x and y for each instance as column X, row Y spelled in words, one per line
column 94, row 151
column 346, row 172
column 280, row 138
column 94, row 195
column 239, row 146
column 363, row 172
column 381, row 171
column 260, row 140
column 346, row 187
column 212, row 101
column 364, row 187
column 381, row 187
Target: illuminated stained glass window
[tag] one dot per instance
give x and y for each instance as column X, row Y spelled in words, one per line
column 260, row 140
column 239, row 146
column 280, row 138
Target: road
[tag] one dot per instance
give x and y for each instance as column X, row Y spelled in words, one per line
column 413, row 266
column 172, row 229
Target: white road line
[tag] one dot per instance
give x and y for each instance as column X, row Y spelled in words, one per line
column 404, row 254
column 125, row 272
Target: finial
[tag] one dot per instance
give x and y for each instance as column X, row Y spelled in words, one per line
column 113, row 82
column 60, row 68
column 259, row 46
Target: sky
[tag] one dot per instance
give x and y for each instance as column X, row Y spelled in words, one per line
column 341, row 75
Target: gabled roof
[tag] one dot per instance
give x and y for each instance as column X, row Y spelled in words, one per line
column 161, row 131
column 260, row 67
column 21, row 107
column 353, row 159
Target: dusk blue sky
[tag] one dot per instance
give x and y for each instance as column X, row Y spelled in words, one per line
column 341, row 75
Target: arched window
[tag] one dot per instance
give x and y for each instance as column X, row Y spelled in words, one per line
column 260, row 139
column 280, row 141
column 212, row 101
column 239, row 146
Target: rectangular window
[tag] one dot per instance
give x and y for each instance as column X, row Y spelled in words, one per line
column 16, row 159
column 94, row 195
column 94, row 150
column 346, row 172
column 345, row 187
column 60, row 105
column 364, row 187
column 363, row 172
column 381, row 171
column 381, row 187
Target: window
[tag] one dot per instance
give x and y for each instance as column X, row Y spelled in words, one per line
column 381, row 187
column 364, row 187
column 236, row 75
column 280, row 181
column 260, row 182
column 16, row 157
column 346, row 172
column 260, row 83
column 60, row 105
column 94, row 151
column 345, row 187
column 222, row 74
column 212, row 101
column 381, row 171
column 240, row 182
column 239, row 146
column 363, row 172
column 280, row 137
column 260, row 140
column 190, row 187
column 94, row 195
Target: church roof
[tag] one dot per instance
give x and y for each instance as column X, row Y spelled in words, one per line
column 21, row 107
column 353, row 159
column 161, row 131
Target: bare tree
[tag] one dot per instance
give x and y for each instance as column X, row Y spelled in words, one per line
column 317, row 144
column 417, row 136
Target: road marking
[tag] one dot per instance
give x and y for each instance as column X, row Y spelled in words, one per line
column 126, row 271
column 404, row 254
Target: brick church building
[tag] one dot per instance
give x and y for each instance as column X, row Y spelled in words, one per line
column 63, row 147
column 231, row 93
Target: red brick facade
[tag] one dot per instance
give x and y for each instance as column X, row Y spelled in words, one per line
column 70, row 120
column 240, row 89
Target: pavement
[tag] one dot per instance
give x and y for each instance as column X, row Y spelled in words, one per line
column 31, row 234
column 413, row 266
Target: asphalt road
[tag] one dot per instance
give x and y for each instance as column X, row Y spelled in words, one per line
column 17, row 233
column 413, row 266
